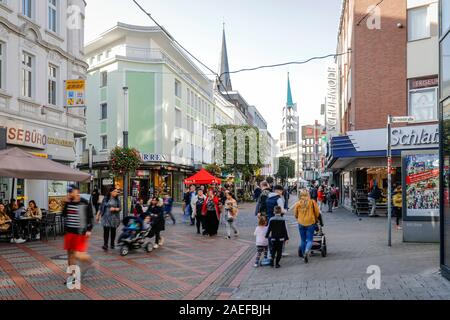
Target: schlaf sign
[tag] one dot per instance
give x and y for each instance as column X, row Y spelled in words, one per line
column 402, row 119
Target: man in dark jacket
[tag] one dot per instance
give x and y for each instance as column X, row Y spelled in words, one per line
column 78, row 224
column 256, row 193
column 95, row 198
column 374, row 197
column 261, row 206
column 187, row 204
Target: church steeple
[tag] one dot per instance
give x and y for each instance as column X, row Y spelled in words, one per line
column 224, row 66
column 290, row 101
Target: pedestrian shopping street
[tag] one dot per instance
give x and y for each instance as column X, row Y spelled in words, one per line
column 189, row 266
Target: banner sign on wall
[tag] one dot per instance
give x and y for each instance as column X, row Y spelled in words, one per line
column 75, row 93
column 332, row 103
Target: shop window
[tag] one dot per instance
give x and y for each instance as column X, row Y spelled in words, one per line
column 423, row 104
column 446, row 180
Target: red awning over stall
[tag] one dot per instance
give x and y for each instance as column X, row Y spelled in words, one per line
column 202, row 177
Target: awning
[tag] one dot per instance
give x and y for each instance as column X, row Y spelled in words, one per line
column 15, row 163
column 202, row 177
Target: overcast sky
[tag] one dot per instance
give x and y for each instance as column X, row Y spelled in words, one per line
column 259, row 32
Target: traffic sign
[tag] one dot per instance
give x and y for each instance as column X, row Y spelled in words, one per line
column 402, row 119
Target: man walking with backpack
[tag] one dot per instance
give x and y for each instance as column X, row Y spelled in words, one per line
column 261, row 205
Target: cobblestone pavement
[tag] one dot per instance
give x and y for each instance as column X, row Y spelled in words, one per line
column 408, row 271
column 193, row 267
column 186, row 267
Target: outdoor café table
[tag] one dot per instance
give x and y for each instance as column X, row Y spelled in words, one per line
column 28, row 222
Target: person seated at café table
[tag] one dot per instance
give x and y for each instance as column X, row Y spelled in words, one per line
column 35, row 214
column 5, row 220
column 20, row 224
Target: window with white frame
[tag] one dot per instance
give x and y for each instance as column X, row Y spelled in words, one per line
column 178, row 88
column 418, row 23
column 52, row 84
column 423, row 104
column 52, row 15
column 178, row 118
column 2, row 60
column 27, row 75
column 27, row 7
column 104, row 142
column 104, row 79
column 103, row 111
column 188, row 94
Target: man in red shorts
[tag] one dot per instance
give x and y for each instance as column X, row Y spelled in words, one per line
column 78, row 224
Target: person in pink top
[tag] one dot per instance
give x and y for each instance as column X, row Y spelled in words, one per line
column 262, row 243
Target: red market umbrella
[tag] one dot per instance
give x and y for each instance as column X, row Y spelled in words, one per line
column 202, row 177
column 15, row 163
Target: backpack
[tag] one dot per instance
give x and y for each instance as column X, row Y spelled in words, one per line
column 313, row 193
column 271, row 203
column 263, row 202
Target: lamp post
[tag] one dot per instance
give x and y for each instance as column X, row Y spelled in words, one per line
column 90, row 155
column 125, row 145
column 389, row 159
column 391, row 120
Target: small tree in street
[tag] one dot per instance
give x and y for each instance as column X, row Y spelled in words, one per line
column 214, row 169
column 286, row 169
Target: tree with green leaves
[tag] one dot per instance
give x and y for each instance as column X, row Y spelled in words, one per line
column 286, row 169
column 239, row 149
column 214, row 169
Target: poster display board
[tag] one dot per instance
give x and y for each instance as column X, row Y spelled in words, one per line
column 75, row 93
column 421, row 185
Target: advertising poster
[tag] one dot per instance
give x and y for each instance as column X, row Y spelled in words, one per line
column 422, row 185
column 75, row 93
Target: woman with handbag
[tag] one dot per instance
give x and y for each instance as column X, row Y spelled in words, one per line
column 307, row 213
column 211, row 213
column 231, row 213
column 109, row 215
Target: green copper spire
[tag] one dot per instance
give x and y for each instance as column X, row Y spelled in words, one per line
column 290, row 101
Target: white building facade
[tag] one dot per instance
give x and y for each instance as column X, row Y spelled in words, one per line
column 41, row 46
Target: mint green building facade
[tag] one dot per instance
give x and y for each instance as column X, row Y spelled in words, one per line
column 171, row 108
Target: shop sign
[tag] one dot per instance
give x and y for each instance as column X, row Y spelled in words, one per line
column 40, row 155
column 60, row 142
column 332, row 108
column 142, row 173
column 150, row 157
column 75, row 93
column 422, row 83
column 24, row 135
column 415, row 136
column 107, row 182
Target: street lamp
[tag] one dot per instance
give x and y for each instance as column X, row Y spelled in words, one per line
column 125, row 145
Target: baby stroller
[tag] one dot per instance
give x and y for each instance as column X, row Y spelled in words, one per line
column 319, row 241
column 134, row 236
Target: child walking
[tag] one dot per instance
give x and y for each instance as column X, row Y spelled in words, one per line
column 278, row 235
column 262, row 243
